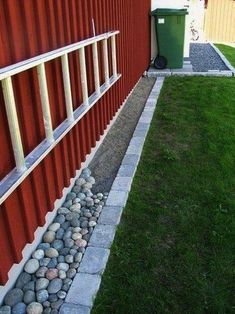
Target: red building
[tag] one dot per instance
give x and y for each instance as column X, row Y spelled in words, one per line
column 55, row 104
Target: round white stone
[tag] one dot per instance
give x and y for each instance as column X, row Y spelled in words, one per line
column 38, row 254
column 34, row 308
column 76, row 236
column 31, row 266
column 54, row 227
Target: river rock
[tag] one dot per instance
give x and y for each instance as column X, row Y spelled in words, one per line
column 22, row 280
column 29, row 297
column 49, row 237
column 54, row 226
column 60, row 219
column 51, row 252
column 43, row 246
column 75, row 208
column 38, row 254
column 70, row 196
column 40, row 273
column 78, row 257
column 31, row 266
column 29, row 286
column 6, row 309
column 55, row 285
column 41, row 283
column 81, row 243
column 42, row 295
column 52, row 273
column 71, row 273
column 63, row 266
column 13, row 297
column 63, row 211
column 34, row 308
column 57, row 244
column 19, row 308
column 80, row 182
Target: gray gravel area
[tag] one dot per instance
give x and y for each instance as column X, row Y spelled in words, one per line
column 108, row 158
column 204, row 58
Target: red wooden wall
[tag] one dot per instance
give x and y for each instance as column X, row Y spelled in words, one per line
column 29, row 28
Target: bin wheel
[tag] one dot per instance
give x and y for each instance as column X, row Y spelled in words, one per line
column 160, row 62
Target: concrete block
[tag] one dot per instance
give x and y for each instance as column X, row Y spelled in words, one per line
column 146, row 117
column 94, row 260
column 130, row 159
column 83, row 289
column 140, row 133
column 127, row 171
column 122, row 184
column 135, row 146
column 110, row 215
column 142, row 126
column 102, row 236
column 117, row 198
column 69, row 308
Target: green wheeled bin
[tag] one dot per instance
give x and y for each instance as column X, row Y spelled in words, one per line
column 170, row 31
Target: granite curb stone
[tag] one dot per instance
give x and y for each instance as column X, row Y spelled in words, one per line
column 83, row 289
column 69, row 308
column 111, row 215
column 94, row 261
column 117, row 198
column 102, row 236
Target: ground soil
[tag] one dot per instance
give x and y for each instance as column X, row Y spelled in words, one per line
column 107, row 160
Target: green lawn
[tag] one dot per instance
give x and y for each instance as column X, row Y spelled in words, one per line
column 228, row 52
column 174, row 248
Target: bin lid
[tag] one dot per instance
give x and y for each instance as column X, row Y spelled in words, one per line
column 169, row 11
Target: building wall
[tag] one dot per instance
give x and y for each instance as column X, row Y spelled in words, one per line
column 29, row 28
column 220, row 21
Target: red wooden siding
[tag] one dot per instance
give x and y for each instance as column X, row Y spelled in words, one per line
column 29, row 28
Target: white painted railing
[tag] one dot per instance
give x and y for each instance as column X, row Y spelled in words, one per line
column 25, row 164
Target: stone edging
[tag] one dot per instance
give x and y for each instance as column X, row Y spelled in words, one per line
column 224, row 59
column 209, row 73
column 86, row 283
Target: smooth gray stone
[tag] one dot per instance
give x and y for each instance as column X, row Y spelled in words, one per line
column 55, row 285
column 13, row 297
column 19, row 308
column 22, row 280
column 6, row 309
column 42, row 295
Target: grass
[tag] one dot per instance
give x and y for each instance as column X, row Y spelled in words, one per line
column 174, row 248
column 228, row 52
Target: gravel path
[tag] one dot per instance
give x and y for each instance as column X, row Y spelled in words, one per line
column 108, row 158
column 204, row 58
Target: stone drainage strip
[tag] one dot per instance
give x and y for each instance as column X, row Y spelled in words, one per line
column 86, row 283
column 188, row 71
column 63, row 274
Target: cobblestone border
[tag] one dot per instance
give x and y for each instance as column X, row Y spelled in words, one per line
column 86, row 283
column 224, row 59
